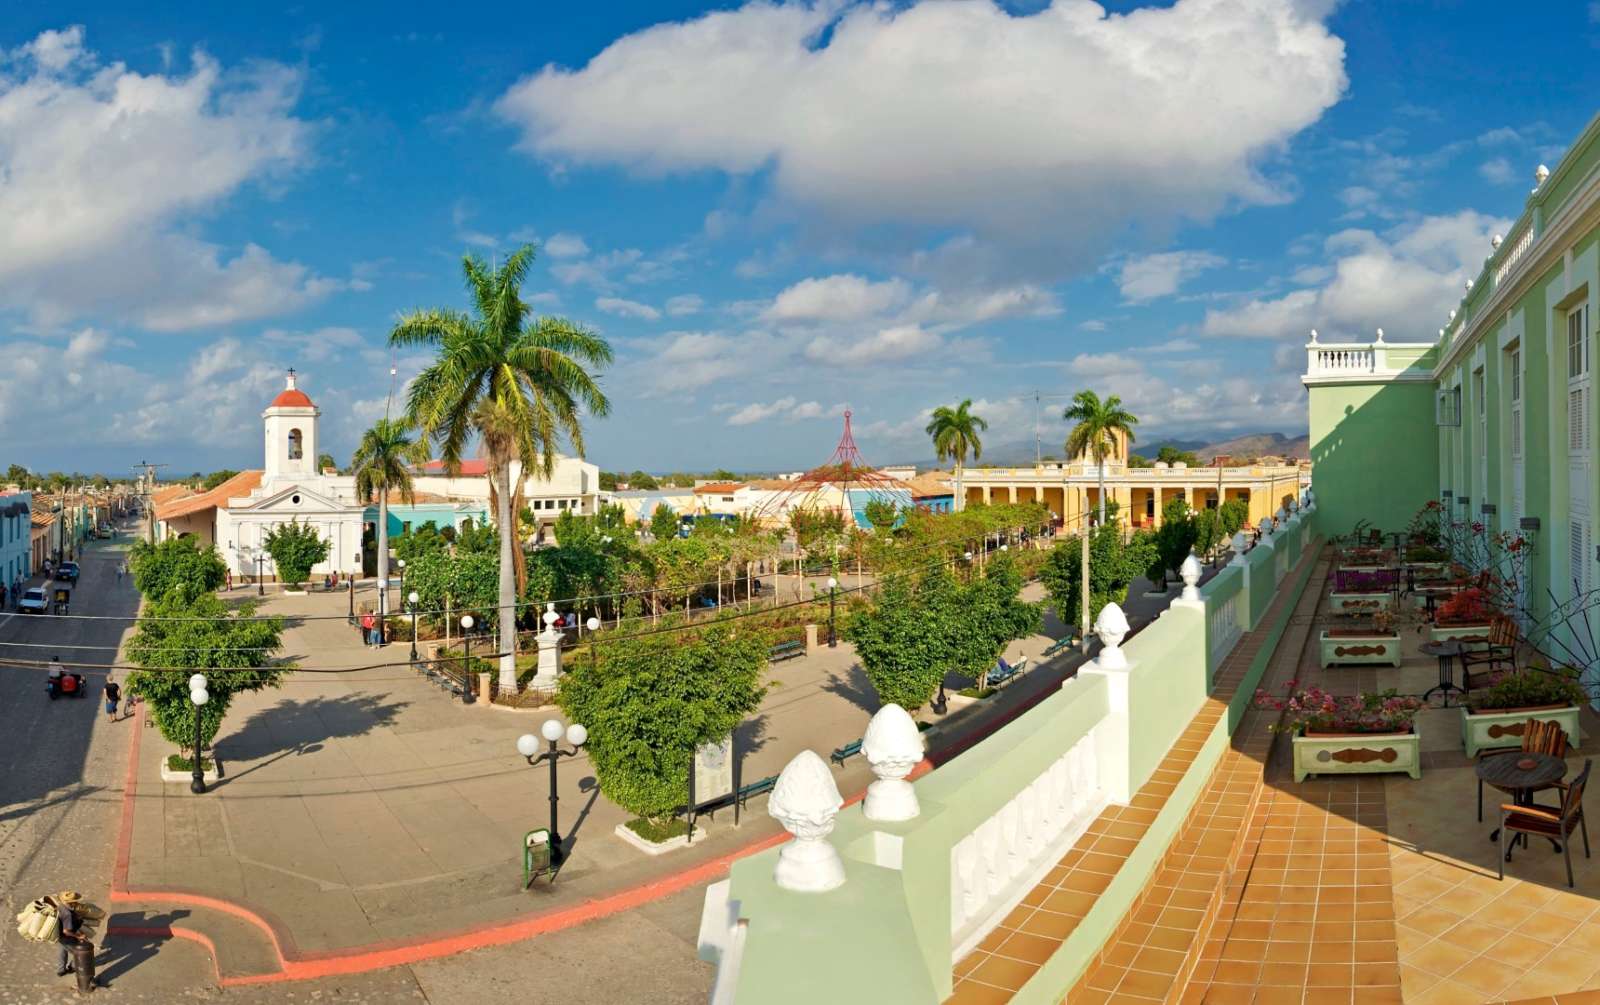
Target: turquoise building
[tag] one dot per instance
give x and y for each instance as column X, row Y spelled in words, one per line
column 16, row 536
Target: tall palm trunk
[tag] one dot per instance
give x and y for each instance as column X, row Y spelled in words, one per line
column 961, row 495
column 1100, row 463
column 383, row 558
column 508, row 580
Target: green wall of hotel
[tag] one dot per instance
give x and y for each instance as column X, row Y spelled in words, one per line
column 1374, row 453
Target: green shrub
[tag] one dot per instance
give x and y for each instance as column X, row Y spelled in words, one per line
column 295, row 547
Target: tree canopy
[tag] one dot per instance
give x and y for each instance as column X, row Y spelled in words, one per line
column 295, row 547
column 178, row 566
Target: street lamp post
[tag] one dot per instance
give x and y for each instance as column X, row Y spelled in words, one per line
column 199, row 696
column 833, row 601
column 411, row 601
column 261, row 558
column 528, row 746
column 466, row 659
column 594, row 626
column 350, row 588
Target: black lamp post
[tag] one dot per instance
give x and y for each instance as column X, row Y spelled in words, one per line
column 833, row 601
column 466, row 659
column 594, row 626
column 261, row 590
column 411, row 601
column 528, row 746
column 198, row 696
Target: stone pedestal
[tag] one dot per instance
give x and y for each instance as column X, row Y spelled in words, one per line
column 811, row 637
column 549, row 661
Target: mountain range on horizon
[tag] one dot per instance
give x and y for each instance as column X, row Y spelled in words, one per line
column 1021, row 452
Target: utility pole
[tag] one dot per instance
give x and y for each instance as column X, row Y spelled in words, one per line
column 1038, row 449
column 1083, row 592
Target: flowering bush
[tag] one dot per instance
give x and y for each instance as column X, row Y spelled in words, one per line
column 1316, row 710
column 1471, row 606
column 1529, row 689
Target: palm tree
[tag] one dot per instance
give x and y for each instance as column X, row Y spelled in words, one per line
column 518, row 383
column 382, row 465
column 955, row 432
column 1095, row 434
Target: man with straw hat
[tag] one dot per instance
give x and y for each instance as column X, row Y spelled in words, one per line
column 69, row 928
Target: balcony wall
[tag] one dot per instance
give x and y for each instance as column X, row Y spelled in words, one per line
column 920, row 894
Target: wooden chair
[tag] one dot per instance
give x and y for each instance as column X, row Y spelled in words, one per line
column 1499, row 653
column 1557, row 824
column 1537, row 738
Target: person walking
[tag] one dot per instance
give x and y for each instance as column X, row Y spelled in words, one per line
column 69, row 930
column 113, row 696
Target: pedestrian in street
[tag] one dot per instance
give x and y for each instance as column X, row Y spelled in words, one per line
column 69, row 930
column 113, row 696
column 369, row 628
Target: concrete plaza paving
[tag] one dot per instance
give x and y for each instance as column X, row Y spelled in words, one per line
column 365, row 805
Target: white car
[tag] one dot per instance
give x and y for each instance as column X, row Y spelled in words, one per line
column 32, row 601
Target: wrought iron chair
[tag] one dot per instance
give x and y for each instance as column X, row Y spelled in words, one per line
column 1557, row 824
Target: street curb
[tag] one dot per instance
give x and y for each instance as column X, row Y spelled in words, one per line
column 296, row 966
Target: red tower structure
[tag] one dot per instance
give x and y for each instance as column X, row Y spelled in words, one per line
column 833, row 485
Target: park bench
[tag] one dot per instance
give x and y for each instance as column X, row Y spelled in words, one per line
column 1060, row 645
column 736, row 799
column 845, row 752
column 1003, row 671
column 786, row 651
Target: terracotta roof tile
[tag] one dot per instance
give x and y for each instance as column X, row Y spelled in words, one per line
column 241, row 484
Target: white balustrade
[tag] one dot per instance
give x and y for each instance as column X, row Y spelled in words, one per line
column 993, row 868
column 1223, row 628
column 1334, row 361
column 1509, row 261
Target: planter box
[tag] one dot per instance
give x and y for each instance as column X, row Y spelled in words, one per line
column 1429, row 570
column 1357, row 754
column 1365, row 602
column 210, row 775
column 1476, row 636
column 654, row 848
column 1373, row 648
column 1503, row 727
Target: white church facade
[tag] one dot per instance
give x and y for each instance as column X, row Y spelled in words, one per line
column 237, row 515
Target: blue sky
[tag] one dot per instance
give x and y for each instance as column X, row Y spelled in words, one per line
column 772, row 211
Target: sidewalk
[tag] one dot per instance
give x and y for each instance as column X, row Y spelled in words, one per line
column 370, row 807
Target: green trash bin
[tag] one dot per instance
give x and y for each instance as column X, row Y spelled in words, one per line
column 535, row 855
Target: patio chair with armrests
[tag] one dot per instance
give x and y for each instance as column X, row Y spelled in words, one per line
column 1538, row 737
column 1499, row 652
column 1555, row 823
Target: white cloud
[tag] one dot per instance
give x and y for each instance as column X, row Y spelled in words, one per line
column 627, row 308
column 1099, row 364
column 787, row 407
column 566, row 246
column 103, row 165
column 1160, row 275
column 1497, row 171
column 1092, row 325
column 885, row 114
column 684, row 303
column 1403, row 280
column 887, row 345
column 839, row 298
column 316, row 346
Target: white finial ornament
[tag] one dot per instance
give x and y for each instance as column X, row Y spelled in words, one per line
column 805, row 801
column 1494, row 242
column 1111, row 626
column 1189, row 572
column 893, row 747
column 1452, row 314
column 1380, row 334
column 1468, row 285
column 1241, row 544
column 1266, row 526
column 1540, row 173
column 1313, row 336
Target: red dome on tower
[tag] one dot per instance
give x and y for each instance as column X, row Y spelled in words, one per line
column 291, row 396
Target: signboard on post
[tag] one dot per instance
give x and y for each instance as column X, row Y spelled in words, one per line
column 713, row 770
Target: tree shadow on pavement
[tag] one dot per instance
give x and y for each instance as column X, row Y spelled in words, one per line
column 855, row 688
column 296, row 726
column 143, row 936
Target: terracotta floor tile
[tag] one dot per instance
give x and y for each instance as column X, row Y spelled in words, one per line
column 1028, row 948
column 1145, row 984
column 1050, row 925
column 1519, row 951
column 1003, row 972
column 974, row 993
column 1439, row 958
column 1447, row 993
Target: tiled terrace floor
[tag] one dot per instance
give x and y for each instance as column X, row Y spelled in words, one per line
column 1349, row 890
column 1151, row 952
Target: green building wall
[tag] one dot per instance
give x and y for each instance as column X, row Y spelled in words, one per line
column 1374, row 453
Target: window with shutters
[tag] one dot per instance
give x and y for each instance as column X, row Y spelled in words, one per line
column 1578, row 381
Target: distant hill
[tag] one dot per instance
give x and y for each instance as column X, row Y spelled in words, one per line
column 1259, row 445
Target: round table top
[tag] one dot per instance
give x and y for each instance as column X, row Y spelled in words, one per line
column 1504, row 771
column 1448, row 647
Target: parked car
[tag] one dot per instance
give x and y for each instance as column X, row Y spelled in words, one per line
column 67, row 572
column 33, row 601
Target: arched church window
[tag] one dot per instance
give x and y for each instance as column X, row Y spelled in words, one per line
column 295, row 448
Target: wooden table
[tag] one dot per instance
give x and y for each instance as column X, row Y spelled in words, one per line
column 1446, row 653
column 1505, row 771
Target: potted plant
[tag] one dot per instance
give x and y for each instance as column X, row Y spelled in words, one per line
column 1376, row 643
column 1464, row 616
column 1427, row 560
column 1348, row 734
column 1495, row 716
